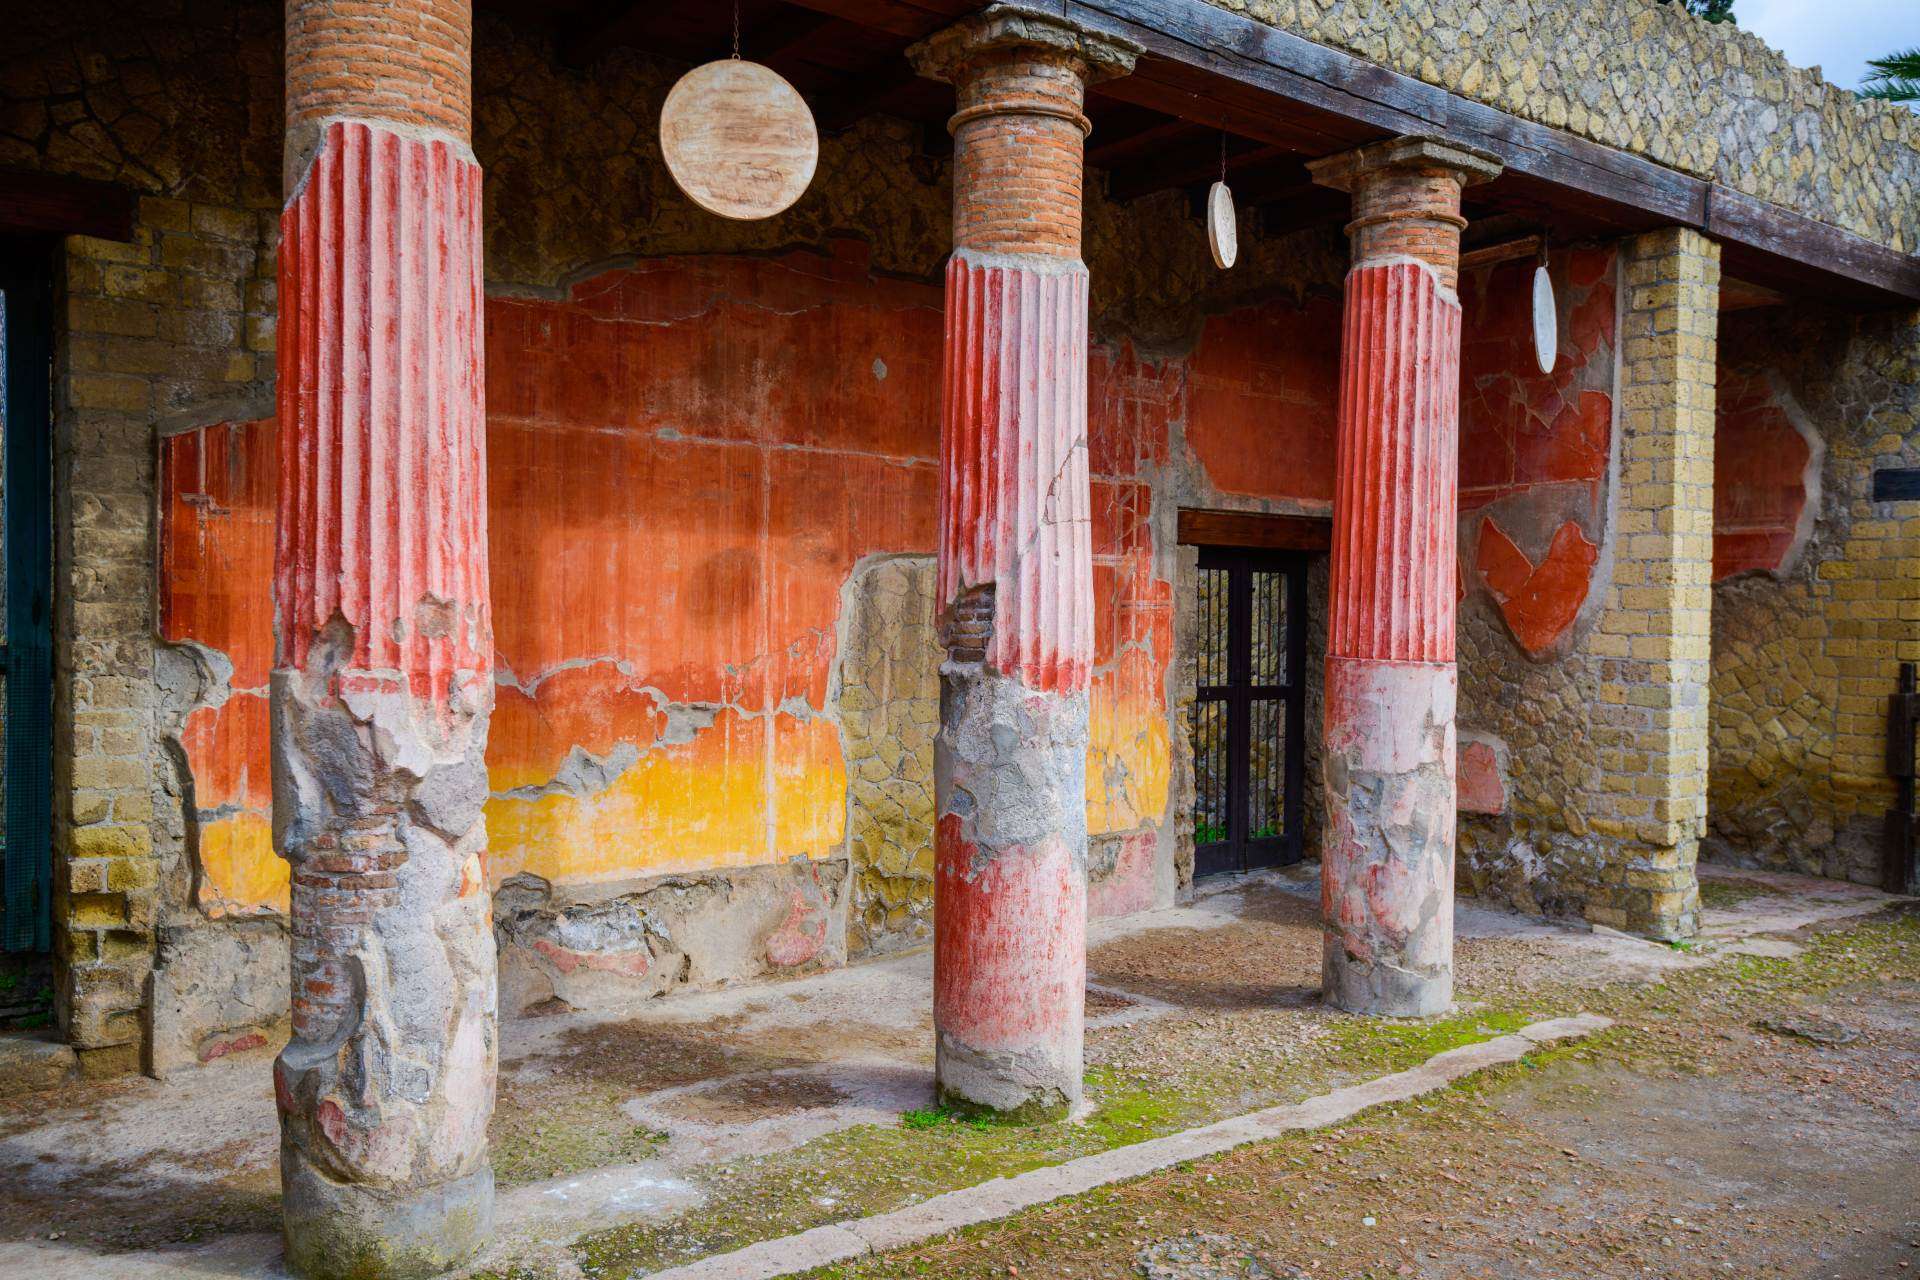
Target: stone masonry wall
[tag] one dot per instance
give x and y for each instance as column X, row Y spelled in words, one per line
column 1805, row 651
column 1709, row 99
column 181, row 106
column 888, row 695
column 1610, row 798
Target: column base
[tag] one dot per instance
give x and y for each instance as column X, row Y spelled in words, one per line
column 344, row 1231
column 1031, row 1087
column 1360, row 986
column 1386, row 871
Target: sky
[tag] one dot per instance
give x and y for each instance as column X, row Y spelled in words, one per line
column 1837, row 36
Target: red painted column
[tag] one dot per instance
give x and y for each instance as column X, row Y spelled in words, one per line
column 1387, row 870
column 383, row 676
column 1016, row 567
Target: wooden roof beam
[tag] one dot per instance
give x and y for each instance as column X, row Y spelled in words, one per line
column 1196, row 47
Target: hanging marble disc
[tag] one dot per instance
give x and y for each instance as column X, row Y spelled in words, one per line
column 1223, row 233
column 1546, row 321
column 738, row 139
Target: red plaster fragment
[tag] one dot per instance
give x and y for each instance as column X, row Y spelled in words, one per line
column 238, row 1044
column 1481, row 786
column 627, row 964
column 799, row 937
column 1759, row 478
column 1539, row 602
column 1129, row 886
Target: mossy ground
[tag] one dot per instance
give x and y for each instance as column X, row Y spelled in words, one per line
column 1435, row 1168
column 872, row 1169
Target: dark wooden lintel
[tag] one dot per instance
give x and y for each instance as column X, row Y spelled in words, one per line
column 1255, row 529
column 1493, row 254
column 51, row 203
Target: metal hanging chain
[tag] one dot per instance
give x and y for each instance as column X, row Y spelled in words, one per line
column 736, row 30
column 1223, row 157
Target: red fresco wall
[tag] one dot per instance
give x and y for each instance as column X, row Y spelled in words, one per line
column 1265, row 392
column 1534, row 446
column 688, row 456
column 1759, row 476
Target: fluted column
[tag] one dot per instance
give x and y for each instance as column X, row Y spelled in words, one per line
column 1387, row 870
column 1016, row 568
column 383, row 674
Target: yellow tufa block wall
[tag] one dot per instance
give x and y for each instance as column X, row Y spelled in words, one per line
column 1654, row 638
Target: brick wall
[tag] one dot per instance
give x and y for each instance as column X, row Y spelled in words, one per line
column 179, row 104
column 177, row 319
column 1652, row 641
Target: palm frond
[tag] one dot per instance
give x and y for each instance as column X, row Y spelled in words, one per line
column 1904, row 65
column 1895, row 78
column 1889, row 89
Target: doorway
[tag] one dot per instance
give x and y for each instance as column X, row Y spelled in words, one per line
column 1249, row 724
column 26, row 558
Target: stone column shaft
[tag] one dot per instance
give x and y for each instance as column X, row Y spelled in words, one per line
column 1387, row 871
column 1015, row 567
column 383, row 673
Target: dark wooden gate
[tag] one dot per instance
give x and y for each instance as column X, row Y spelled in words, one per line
column 1249, row 726
column 26, row 646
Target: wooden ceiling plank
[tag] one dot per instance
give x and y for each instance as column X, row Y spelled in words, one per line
column 1194, row 165
column 1155, row 138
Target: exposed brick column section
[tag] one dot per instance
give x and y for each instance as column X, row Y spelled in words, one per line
column 1387, row 872
column 1016, row 568
column 383, row 675
column 1655, row 633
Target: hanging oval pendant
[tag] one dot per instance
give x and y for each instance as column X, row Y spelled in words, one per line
column 1223, row 232
column 1546, row 321
column 738, row 139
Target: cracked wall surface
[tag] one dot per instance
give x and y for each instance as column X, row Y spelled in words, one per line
column 690, row 459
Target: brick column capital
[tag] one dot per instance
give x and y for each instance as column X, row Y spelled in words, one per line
column 1406, row 198
column 1000, row 31
column 1020, row 81
column 406, row 65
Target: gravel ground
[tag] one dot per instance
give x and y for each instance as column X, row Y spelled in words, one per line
column 1762, row 1090
column 1755, row 1118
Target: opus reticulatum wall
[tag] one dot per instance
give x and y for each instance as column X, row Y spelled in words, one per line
column 1708, row 99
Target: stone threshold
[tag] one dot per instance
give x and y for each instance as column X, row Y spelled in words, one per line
column 1004, row 1197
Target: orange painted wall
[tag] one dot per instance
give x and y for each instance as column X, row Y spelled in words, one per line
column 687, row 458
column 216, row 569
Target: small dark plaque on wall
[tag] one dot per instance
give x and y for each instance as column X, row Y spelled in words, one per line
column 1896, row 484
